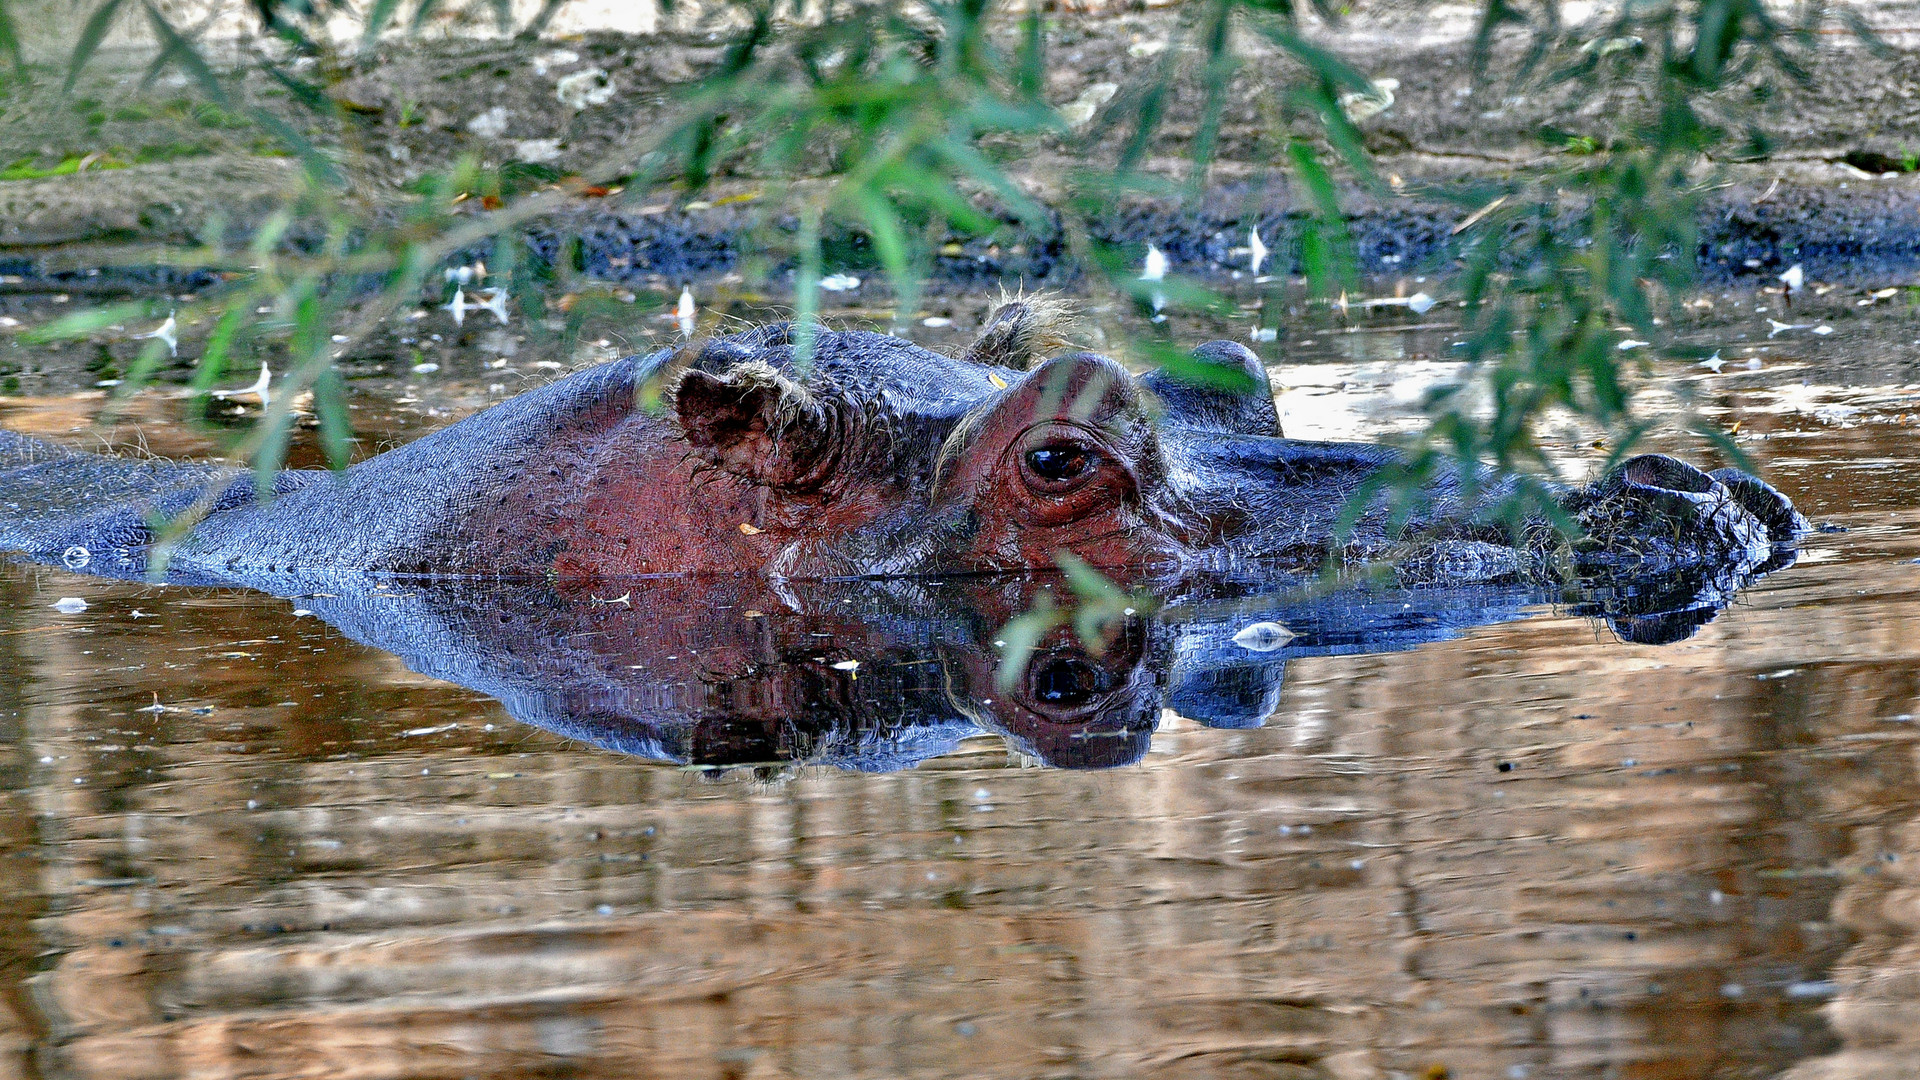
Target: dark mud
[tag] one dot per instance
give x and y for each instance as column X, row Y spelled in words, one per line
column 1749, row 232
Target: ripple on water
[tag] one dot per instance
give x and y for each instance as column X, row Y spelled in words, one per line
column 247, row 840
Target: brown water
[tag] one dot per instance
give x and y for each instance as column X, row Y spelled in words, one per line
column 241, row 843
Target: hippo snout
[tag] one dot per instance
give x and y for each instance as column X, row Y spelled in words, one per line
column 1659, row 509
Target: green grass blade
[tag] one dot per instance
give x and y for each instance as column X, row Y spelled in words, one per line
column 89, row 40
column 10, row 41
column 219, row 347
column 181, row 51
column 318, row 165
column 378, row 16
column 1190, row 369
column 306, row 93
column 1021, row 636
column 967, row 160
column 82, row 323
column 890, row 242
column 806, row 289
column 330, row 408
column 426, row 10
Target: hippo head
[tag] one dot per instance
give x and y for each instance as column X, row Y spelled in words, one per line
column 880, row 457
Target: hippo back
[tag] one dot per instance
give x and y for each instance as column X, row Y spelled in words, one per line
column 414, row 509
column 391, row 512
column 54, row 500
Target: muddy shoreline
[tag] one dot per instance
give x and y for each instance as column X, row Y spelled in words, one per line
column 1836, row 195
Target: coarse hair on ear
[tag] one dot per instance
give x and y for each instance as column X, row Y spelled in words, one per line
column 756, row 423
column 1022, row 329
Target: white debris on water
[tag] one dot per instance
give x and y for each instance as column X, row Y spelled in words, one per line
column 1631, row 343
column 496, row 303
column 1256, row 252
column 164, row 332
column 684, row 311
column 1794, row 278
column 1263, row 637
column 70, row 605
column 839, row 283
column 258, row 389
column 1420, row 303
column 936, row 322
column 1155, row 267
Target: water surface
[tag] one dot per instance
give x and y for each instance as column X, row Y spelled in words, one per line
column 1469, row 835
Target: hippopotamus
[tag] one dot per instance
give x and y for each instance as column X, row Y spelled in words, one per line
column 862, row 456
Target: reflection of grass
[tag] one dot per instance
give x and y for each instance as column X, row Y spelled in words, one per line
column 29, row 169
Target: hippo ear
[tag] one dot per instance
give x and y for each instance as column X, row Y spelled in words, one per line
column 1224, row 387
column 757, row 424
column 1021, row 330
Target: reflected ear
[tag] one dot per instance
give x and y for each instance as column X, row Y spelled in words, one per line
column 754, row 422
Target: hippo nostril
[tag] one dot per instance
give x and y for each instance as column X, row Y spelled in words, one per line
column 1760, row 499
column 1066, row 681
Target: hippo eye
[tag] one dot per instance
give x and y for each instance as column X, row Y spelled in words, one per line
column 1060, row 463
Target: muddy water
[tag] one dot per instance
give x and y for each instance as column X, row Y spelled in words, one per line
column 1468, row 836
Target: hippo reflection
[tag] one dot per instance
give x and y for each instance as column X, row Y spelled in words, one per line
column 882, row 674
column 873, row 458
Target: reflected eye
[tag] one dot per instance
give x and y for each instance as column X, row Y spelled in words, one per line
column 1065, row 682
column 1060, row 463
